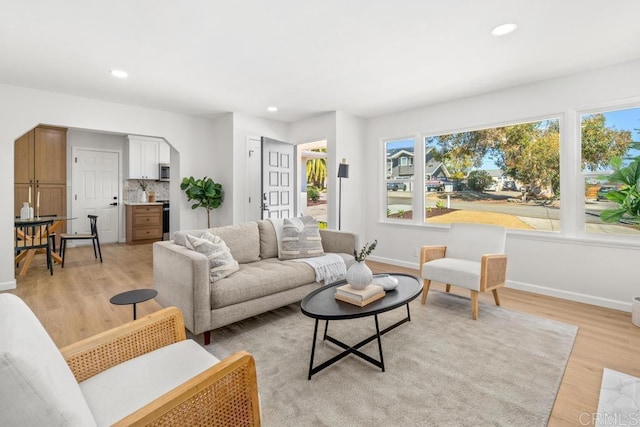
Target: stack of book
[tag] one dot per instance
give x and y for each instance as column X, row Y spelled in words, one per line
column 359, row 297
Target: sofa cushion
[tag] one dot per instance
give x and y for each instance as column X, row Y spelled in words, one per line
column 213, row 247
column 243, row 239
column 36, row 385
column 268, row 239
column 300, row 238
column 127, row 387
column 259, row 279
column 460, row 272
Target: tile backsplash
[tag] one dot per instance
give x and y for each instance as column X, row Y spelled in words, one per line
column 132, row 191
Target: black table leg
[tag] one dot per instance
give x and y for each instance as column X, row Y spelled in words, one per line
column 326, row 326
column 313, row 348
column 134, row 311
column 379, row 343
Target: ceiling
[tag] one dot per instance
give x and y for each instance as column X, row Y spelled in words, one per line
column 363, row 57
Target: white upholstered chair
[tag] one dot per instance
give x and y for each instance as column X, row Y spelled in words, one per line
column 143, row 372
column 474, row 258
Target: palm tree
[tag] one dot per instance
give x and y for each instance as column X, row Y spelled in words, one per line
column 317, row 170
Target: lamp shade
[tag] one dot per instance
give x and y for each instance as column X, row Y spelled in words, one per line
column 343, row 170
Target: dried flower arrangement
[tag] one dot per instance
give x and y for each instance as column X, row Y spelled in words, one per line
column 365, row 251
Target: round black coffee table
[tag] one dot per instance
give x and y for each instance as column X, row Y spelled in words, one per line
column 133, row 297
column 321, row 304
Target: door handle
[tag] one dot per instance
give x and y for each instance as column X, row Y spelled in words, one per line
column 113, row 204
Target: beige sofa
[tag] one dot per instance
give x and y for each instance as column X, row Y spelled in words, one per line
column 262, row 283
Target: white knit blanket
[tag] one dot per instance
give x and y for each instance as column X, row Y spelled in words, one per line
column 328, row 267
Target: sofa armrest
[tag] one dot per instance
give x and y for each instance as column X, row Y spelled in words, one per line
column 226, row 393
column 182, row 278
column 338, row 241
column 100, row 352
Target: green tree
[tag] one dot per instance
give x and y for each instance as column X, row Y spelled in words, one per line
column 317, row 170
column 600, row 144
column 478, row 180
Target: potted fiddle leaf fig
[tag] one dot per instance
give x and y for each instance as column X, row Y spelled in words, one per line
column 626, row 195
column 205, row 192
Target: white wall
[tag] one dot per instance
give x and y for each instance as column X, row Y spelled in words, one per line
column 350, row 145
column 22, row 109
column 568, row 265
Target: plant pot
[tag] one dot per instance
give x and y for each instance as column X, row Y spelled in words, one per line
column 359, row 276
column 635, row 311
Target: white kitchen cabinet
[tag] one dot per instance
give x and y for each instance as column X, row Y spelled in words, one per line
column 164, row 153
column 144, row 157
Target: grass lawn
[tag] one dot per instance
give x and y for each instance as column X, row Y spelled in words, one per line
column 495, row 218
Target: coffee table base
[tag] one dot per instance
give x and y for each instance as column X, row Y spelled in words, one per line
column 352, row 349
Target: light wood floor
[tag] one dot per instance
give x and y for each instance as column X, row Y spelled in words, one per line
column 74, row 303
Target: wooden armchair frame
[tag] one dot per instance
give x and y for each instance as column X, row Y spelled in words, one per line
column 223, row 395
column 492, row 275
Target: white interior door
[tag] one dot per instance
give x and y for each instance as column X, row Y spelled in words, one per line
column 95, row 176
column 278, row 176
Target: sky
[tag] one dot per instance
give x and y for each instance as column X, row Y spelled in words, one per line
column 627, row 119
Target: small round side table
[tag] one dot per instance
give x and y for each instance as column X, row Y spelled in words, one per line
column 133, row 297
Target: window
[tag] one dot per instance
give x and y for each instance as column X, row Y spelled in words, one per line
column 506, row 175
column 605, row 136
column 400, row 178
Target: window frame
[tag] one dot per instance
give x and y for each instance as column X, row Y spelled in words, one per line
column 581, row 176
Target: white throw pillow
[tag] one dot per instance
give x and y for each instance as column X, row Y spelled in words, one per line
column 213, row 247
column 300, row 238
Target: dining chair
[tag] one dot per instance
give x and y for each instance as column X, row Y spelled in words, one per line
column 31, row 235
column 93, row 236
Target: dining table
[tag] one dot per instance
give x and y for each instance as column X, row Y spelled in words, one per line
column 28, row 254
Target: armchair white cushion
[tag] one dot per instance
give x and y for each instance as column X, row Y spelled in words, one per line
column 139, row 373
column 474, row 258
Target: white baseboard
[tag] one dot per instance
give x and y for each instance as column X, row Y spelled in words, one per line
column 5, row 286
column 571, row 296
column 536, row 289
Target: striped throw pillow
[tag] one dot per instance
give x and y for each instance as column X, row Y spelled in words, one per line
column 300, row 238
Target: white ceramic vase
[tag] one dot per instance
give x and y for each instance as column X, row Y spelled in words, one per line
column 359, row 276
column 143, row 196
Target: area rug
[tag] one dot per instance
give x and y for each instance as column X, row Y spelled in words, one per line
column 442, row 368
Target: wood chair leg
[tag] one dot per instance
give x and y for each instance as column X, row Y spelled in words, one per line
column 425, row 291
column 448, row 288
column 474, row 305
column 495, row 296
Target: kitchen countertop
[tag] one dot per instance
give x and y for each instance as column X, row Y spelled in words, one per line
column 142, row 204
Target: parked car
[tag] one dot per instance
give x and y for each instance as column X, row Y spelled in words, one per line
column 602, row 192
column 433, row 185
column 509, row 186
column 491, row 187
column 395, row 186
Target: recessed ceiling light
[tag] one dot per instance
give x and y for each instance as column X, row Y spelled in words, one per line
column 272, row 109
column 504, row 29
column 119, row 74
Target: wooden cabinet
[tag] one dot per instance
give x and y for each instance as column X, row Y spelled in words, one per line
column 144, row 223
column 144, row 155
column 40, row 163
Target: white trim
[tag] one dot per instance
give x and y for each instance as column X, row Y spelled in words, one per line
column 5, row 286
column 536, row 289
column 571, row 296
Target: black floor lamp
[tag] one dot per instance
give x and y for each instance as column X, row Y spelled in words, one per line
column 343, row 172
